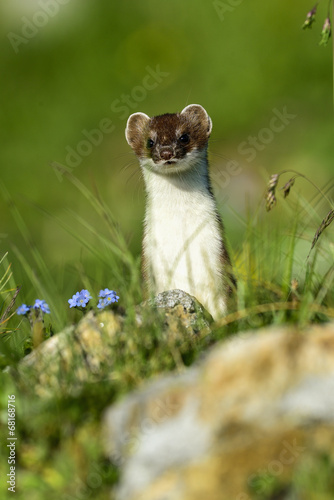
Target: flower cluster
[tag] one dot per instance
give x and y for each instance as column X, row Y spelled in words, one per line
column 107, row 297
column 287, row 187
column 310, row 18
column 270, row 193
column 326, row 32
column 326, row 29
column 81, row 299
column 325, row 223
column 23, row 310
column 41, row 305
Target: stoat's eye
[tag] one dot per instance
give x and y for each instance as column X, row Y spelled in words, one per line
column 184, row 139
column 150, row 143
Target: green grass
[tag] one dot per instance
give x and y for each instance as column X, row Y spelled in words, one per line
column 59, row 443
column 312, row 479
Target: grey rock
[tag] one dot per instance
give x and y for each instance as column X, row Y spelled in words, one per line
column 181, row 307
column 257, row 404
column 311, row 400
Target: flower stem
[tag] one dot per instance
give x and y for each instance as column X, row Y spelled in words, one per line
column 37, row 327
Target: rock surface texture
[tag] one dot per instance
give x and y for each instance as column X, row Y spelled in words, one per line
column 258, row 404
column 87, row 352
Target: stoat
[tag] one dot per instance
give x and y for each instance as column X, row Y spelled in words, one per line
column 183, row 244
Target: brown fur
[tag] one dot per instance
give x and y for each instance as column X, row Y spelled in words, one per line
column 166, row 130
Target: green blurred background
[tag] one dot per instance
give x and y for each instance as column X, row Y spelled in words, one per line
column 69, row 67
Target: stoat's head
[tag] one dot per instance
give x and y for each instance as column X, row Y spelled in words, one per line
column 172, row 142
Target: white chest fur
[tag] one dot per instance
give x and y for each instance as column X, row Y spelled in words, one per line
column 182, row 238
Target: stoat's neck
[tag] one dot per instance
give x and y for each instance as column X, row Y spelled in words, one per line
column 193, row 181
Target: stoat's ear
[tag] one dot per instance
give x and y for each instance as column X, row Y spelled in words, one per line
column 135, row 126
column 196, row 113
